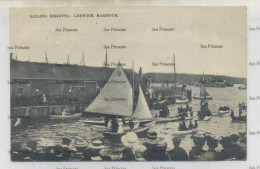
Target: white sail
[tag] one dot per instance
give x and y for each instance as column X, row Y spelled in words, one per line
column 203, row 91
column 116, row 96
column 142, row 111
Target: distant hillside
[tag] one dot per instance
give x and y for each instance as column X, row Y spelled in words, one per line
column 191, row 78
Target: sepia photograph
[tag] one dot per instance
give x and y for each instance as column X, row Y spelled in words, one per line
column 128, row 84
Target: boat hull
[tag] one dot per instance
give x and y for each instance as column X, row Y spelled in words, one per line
column 63, row 118
column 207, row 118
column 239, row 119
column 202, row 97
column 185, row 132
column 242, row 88
column 181, row 101
column 167, row 119
column 224, row 111
column 92, row 122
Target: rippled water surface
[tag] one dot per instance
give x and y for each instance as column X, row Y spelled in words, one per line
column 51, row 133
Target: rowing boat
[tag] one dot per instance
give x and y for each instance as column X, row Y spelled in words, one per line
column 179, row 101
column 63, row 117
column 223, row 111
column 185, row 132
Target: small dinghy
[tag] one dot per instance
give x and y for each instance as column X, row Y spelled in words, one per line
column 181, row 101
column 185, row 132
column 65, row 117
column 202, row 97
column 242, row 87
column 18, row 122
column 237, row 119
column 223, row 110
column 188, row 118
column 206, row 118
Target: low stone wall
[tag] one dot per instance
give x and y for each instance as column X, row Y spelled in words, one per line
column 43, row 112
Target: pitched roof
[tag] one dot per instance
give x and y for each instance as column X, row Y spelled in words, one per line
column 35, row 70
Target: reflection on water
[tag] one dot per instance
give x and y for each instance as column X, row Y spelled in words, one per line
column 50, row 133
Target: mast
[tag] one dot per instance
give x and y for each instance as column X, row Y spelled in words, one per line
column 82, row 62
column 46, row 58
column 174, row 69
column 68, row 60
column 133, row 86
column 203, row 75
column 106, row 64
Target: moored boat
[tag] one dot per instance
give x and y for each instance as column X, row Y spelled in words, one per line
column 242, row 87
column 65, row 117
column 181, row 101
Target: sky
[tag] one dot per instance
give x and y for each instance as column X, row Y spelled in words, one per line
column 193, row 27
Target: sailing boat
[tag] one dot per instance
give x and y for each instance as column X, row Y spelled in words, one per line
column 142, row 112
column 203, row 94
column 182, row 99
column 116, row 99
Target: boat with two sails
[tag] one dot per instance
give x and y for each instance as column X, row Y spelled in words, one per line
column 203, row 94
column 116, row 101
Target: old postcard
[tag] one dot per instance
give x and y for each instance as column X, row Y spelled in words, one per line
column 128, row 84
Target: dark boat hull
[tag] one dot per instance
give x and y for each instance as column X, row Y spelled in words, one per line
column 239, row 119
column 207, row 97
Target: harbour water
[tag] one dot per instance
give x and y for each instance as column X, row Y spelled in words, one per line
column 51, row 133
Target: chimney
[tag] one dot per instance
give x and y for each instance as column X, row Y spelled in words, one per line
column 140, row 73
column 11, row 56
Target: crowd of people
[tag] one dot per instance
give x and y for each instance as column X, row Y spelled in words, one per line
column 80, row 150
column 38, row 98
column 154, row 148
column 234, row 148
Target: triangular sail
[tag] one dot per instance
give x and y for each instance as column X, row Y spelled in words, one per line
column 116, row 96
column 142, row 111
column 203, row 91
